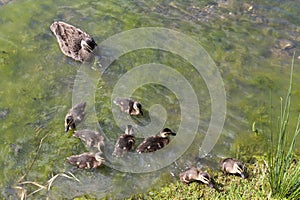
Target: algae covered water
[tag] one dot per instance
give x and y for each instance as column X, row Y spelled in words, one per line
column 184, row 46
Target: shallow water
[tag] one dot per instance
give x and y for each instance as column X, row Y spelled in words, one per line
column 251, row 47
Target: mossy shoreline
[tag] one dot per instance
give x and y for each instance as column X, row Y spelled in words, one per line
column 228, row 186
column 255, row 186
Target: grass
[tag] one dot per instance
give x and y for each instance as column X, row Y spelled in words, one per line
column 230, row 187
column 284, row 177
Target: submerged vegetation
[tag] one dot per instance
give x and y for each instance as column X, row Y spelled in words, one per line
column 250, row 41
column 275, row 175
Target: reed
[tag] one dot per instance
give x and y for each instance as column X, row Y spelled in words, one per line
column 284, row 171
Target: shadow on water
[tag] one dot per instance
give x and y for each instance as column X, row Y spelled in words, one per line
column 250, row 45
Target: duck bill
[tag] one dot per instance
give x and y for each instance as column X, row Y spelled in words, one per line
column 141, row 113
column 172, row 133
column 243, row 175
column 67, row 129
column 211, row 185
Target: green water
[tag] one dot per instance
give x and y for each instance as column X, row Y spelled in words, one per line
column 37, row 80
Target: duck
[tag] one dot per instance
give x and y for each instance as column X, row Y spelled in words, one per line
column 195, row 174
column 124, row 143
column 156, row 142
column 88, row 160
column 232, row 166
column 90, row 137
column 72, row 41
column 74, row 116
column 129, row 106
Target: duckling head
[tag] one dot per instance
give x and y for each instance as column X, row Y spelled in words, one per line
column 238, row 168
column 88, row 44
column 205, row 178
column 138, row 107
column 69, row 123
column 166, row 132
column 99, row 158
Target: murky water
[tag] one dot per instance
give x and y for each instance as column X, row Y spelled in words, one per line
column 251, row 44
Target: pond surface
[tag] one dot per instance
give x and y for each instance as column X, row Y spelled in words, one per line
column 247, row 45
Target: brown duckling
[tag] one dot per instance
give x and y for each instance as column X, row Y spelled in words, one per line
column 156, row 142
column 72, row 41
column 232, row 166
column 74, row 116
column 195, row 174
column 91, row 138
column 87, row 160
column 124, row 143
column 129, row 106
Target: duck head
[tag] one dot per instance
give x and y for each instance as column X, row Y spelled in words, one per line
column 88, row 44
column 99, row 158
column 238, row 168
column 205, row 178
column 69, row 123
column 166, row 132
column 138, row 107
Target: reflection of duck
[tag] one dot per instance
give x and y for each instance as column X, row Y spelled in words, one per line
column 129, row 106
column 232, row 166
column 86, row 160
column 194, row 174
column 124, row 143
column 74, row 116
column 91, row 138
column 154, row 143
column 72, row 41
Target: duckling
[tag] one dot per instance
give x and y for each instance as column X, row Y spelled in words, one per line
column 72, row 41
column 195, row 174
column 156, row 142
column 129, row 106
column 91, row 138
column 124, row 143
column 87, row 160
column 232, row 166
column 74, row 116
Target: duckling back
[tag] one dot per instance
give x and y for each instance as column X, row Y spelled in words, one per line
column 86, row 160
column 189, row 175
column 90, row 137
column 125, row 142
column 123, row 145
column 129, row 106
column 152, row 144
column 232, row 166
